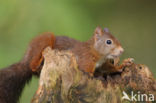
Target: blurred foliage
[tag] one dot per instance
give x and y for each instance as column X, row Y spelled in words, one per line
column 133, row 22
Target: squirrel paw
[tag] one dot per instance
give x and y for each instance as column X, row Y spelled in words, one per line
column 128, row 62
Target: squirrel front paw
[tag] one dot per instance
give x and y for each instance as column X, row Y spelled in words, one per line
column 128, row 62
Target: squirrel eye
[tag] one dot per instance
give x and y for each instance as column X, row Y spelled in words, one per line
column 109, row 42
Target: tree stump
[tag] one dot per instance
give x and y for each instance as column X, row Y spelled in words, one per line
column 62, row 82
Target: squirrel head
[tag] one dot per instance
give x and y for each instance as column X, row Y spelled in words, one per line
column 106, row 44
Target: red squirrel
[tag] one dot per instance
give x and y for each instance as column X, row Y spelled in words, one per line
column 90, row 55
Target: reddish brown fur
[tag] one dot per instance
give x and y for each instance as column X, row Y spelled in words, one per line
column 86, row 55
column 37, row 45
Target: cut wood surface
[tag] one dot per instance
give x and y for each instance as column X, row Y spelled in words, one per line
column 62, row 82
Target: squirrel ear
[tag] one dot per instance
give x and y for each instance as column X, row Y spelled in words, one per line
column 106, row 30
column 98, row 33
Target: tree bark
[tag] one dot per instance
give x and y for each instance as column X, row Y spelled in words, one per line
column 62, row 82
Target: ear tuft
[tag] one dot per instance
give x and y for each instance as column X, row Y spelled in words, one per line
column 98, row 33
column 98, row 30
column 106, row 30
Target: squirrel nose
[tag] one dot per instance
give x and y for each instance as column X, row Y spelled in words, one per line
column 121, row 50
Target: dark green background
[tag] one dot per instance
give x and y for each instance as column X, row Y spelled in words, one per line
column 133, row 22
